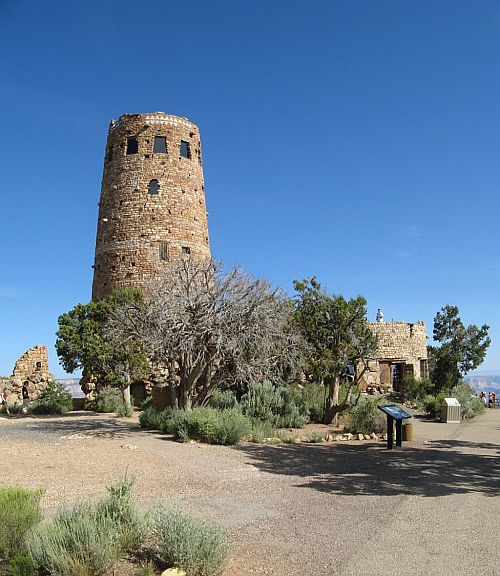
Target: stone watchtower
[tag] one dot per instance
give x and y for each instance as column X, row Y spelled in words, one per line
column 152, row 206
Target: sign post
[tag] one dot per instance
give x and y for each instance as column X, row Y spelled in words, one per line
column 394, row 414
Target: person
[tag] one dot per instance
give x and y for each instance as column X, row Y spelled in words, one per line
column 26, row 397
column 490, row 400
column 380, row 316
column 493, row 400
column 5, row 396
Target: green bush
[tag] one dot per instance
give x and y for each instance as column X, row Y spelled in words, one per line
column 19, row 511
column 121, row 509
column 223, row 400
column 365, row 417
column 151, row 418
column 21, row 564
column 78, row 542
column 206, row 425
column 262, row 429
column 310, row 399
column 107, row 400
column 55, row 399
column 195, row 546
column 471, row 405
column 413, row 389
column 123, row 410
column 266, row 402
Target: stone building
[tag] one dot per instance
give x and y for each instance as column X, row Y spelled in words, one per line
column 33, row 366
column 402, row 352
column 152, row 206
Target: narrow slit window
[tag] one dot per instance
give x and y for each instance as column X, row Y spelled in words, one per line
column 132, row 146
column 110, row 153
column 153, row 187
column 185, row 149
column 186, row 250
column 160, row 145
column 164, row 251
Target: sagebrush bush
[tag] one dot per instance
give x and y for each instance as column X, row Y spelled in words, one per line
column 310, row 399
column 78, row 542
column 470, row 404
column 54, row 399
column 365, row 417
column 21, row 564
column 151, row 418
column 124, row 410
column 107, row 400
column 268, row 403
column 195, row 546
column 206, row 425
column 262, row 429
column 223, row 400
column 19, row 512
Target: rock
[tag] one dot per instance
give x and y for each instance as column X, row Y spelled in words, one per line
column 173, row 572
column 384, row 437
column 361, row 436
column 328, row 438
column 348, row 436
column 339, row 438
column 130, row 446
column 373, row 436
column 368, row 437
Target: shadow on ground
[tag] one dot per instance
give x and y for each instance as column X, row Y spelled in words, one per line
column 370, row 469
column 80, row 424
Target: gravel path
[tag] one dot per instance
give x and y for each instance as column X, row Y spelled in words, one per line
column 346, row 509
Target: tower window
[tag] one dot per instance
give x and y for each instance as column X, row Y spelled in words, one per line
column 164, row 251
column 153, row 187
column 186, row 250
column 132, row 146
column 185, row 149
column 160, row 145
column 110, row 154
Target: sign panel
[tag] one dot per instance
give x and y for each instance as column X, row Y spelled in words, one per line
column 395, row 412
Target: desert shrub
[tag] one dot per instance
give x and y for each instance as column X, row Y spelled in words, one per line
column 107, row 400
column 122, row 510
column 414, row 389
column 19, row 511
column 471, row 405
column 78, row 542
column 55, row 399
column 314, row 437
column 310, row 398
column 365, row 417
column 262, row 429
column 21, row 564
column 207, row 425
column 224, row 400
column 195, row 546
column 432, row 404
column 151, row 418
column 147, row 403
column 268, row 403
column 123, row 410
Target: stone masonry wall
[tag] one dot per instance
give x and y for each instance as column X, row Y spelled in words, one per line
column 152, row 207
column 399, row 343
column 33, row 366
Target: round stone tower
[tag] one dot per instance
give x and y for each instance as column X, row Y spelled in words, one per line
column 152, row 207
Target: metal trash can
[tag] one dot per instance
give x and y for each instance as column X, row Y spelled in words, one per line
column 450, row 410
column 407, row 432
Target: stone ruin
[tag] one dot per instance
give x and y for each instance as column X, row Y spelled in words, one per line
column 33, row 366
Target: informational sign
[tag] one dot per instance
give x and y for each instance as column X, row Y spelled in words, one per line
column 395, row 412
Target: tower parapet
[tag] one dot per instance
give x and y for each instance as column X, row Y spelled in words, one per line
column 152, row 207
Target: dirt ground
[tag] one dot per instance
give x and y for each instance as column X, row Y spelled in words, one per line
column 347, row 508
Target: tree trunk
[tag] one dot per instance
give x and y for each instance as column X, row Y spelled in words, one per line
column 332, row 402
column 126, row 396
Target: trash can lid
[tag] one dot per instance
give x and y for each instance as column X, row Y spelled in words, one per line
column 451, row 402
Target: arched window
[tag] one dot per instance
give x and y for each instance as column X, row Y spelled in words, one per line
column 153, row 187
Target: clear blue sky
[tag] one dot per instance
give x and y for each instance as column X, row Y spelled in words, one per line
column 358, row 141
